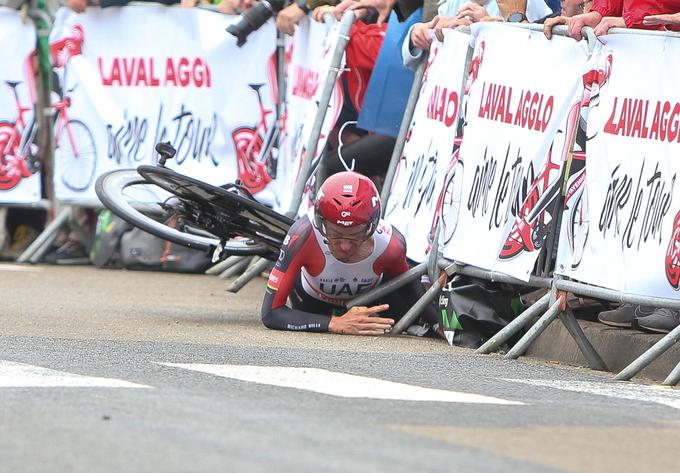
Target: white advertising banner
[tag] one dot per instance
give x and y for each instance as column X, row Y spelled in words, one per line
column 625, row 230
column 310, row 53
column 429, row 150
column 131, row 77
column 19, row 175
column 518, row 108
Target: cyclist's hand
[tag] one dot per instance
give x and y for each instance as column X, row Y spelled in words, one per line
column 361, row 321
column 288, row 18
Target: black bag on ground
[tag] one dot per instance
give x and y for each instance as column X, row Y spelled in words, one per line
column 473, row 310
column 119, row 244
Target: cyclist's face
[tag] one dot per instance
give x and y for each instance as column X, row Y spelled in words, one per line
column 345, row 242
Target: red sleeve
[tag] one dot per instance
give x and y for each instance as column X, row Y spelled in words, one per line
column 362, row 50
column 608, row 7
column 392, row 262
column 634, row 12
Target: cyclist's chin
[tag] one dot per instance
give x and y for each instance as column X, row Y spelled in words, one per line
column 343, row 256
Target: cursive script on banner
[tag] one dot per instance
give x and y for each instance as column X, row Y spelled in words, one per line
column 635, row 205
column 191, row 136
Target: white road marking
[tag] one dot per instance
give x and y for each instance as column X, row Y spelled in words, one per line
column 20, row 375
column 20, row 268
column 621, row 389
column 338, row 384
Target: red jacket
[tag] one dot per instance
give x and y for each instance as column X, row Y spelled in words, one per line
column 633, row 11
column 361, row 52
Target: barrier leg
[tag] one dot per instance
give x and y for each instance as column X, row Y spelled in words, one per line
column 253, row 271
column 674, row 377
column 390, row 286
column 41, row 244
column 515, row 326
column 592, row 357
column 222, row 266
column 236, row 268
column 408, row 318
column 533, row 333
column 658, row 349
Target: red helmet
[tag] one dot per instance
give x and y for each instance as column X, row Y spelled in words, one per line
column 347, row 199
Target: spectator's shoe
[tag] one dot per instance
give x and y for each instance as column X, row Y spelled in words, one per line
column 625, row 316
column 70, row 253
column 23, row 237
column 661, row 320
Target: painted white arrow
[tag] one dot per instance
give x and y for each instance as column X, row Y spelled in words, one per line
column 338, row 384
column 20, row 375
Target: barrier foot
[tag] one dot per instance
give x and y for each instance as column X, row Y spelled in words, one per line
column 533, row 333
column 515, row 326
column 390, row 286
column 430, row 295
column 673, row 378
column 650, row 355
column 254, row 270
column 592, row 357
column 236, row 268
column 222, row 266
column 41, row 244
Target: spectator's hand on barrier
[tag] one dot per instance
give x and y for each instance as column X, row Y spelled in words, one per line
column 449, row 22
column 288, row 18
column 384, row 8
column 361, row 321
column 576, row 23
column 667, row 19
column 319, row 12
column 472, row 11
column 549, row 23
column 420, row 34
column 78, row 6
column 507, row 7
column 188, row 3
column 492, row 19
column 227, row 7
column 609, row 22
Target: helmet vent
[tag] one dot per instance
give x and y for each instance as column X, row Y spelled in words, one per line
column 355, row 203
column 337, row 201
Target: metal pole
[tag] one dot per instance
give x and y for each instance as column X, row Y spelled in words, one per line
column 592, row 357
column 40, row 245
column 217, row 268
column 614, row 296
column 254, row 270
column 515, row 326
column 346, row 23
column 403, row 130
column 390, row 286
column 658, row 349
column 236, row 268
column 533, row 333
column 430, row 295
column 433, row 257
column 674, row 377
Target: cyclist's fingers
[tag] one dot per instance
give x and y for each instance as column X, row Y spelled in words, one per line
column 371, row 332
column 377, row 308
column 376, row 320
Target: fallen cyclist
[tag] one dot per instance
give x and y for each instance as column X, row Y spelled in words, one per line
column 339, row 250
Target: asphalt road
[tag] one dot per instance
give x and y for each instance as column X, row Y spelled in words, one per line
column 119, row 371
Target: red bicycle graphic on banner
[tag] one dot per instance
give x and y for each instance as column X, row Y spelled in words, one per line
column 75, row 149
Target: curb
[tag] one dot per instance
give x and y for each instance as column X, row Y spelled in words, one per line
column 617, row 347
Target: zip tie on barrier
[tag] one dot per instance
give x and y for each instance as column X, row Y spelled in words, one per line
column 340, row 145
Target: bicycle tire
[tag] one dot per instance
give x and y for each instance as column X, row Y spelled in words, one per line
column 248, row 217
column 85, row 168
column 110, row 188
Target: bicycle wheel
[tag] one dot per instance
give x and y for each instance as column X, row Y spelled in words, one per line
column 452, row 201
column 76, row 155
column 132, row 198
column 241, row 214
column 9, row 144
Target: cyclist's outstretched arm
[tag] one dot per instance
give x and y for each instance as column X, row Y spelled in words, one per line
column 275, row 313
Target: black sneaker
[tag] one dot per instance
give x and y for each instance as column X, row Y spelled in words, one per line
column 70, row 253
column 661, row 320
column 622, row 316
